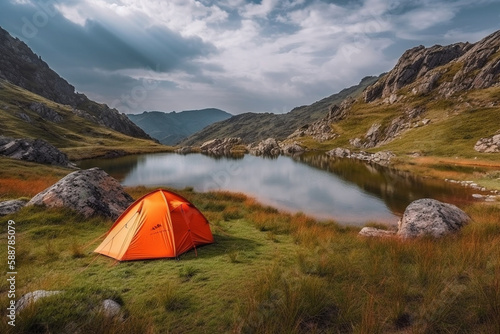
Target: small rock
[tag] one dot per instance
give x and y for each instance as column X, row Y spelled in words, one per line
column 375, row 232
column 32, row 297
column 477, row 196
column 110, row 308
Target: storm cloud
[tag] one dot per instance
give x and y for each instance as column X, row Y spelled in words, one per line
column 261, row 56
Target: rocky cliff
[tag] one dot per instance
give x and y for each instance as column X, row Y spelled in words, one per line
column 20, row 66
column 469, row 66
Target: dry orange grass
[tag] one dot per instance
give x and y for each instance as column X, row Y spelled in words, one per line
column 15, row 188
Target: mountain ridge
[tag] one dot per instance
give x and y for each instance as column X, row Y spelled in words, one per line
column 22, row 67
column 170, row 128
column 253, row 127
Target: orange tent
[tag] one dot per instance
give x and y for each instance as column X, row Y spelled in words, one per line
column 157, row 225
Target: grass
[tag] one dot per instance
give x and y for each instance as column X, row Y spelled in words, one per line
column 306, row 277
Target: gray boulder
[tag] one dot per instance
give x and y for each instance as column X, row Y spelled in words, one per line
column 12, row 206
column 33, row 150
column 432, row 218
column 32, row 297
column 89, row 192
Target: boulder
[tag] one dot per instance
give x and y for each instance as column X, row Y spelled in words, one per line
column 375, row 232
column 89, row 192
column 32, row 297
column 33, row 150
column 432, row 218
column 268, row 147
column 9, row 207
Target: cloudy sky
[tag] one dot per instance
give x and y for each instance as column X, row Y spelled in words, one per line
column 237, row 55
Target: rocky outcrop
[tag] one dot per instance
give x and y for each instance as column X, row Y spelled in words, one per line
column 413, row 65
column 46, row 113
column 219, row 146
column 292, row 148
column 20, row 66
column 32, row 297
column 381, row 157
column 488, row 145
column 378, row 135
column 429, row 217
column 321, row 130
column 446, row 69
column 12, row 206
column 33, row 150
column 89, row 192
column 267, row 147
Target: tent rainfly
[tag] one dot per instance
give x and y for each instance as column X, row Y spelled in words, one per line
column 160, row 224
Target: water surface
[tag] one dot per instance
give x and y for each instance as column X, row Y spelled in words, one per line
column 347, row 191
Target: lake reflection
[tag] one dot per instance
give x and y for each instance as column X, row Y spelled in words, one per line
column 346, row 191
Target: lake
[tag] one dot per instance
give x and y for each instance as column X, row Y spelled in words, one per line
column 348, row 191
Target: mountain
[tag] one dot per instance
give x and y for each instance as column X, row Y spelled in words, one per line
column 437, row 101
column 252, row 127
column 23, row 68
column 171, row 128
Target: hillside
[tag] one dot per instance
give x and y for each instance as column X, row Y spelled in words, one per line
column 436, row 101
column 23, row 68
column 24, row 114
column 252, row 127
column 171, row 128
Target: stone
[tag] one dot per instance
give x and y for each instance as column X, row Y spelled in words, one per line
column 89, row 192
column 267, row 147
column 33, row 150
column 429, row 217
column 111, row 309
column 375, row 232
column 32, row 297
column 12, row 206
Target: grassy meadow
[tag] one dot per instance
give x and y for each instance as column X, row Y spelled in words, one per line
column 267, row 272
